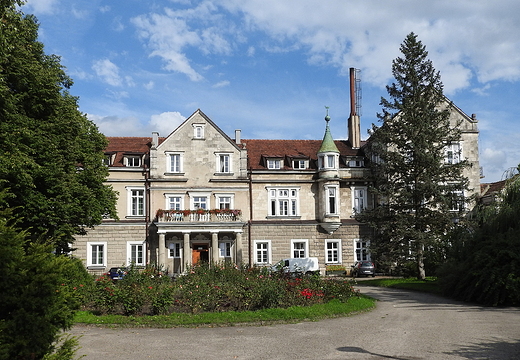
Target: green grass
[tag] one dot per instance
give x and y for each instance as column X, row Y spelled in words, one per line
column 332, row 309
column 429, row 285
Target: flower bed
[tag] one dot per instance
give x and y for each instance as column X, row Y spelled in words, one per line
column 205, row 288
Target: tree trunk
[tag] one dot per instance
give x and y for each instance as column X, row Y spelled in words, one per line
column 421, row 274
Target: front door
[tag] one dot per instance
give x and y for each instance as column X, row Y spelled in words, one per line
column 200, row 253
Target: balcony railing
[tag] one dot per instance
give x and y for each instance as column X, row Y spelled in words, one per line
column 200, row 215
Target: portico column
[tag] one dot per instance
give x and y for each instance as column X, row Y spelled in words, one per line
column 162, row 250
column 214, row 247
column 238, row 247
column 186, row 251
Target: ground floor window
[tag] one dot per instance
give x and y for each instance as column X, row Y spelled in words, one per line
column 262, row 252
column 136, row 253
column 333, row 251
column 96, row 253
column 361, row 250
column 299, row 248
column 174, row 250
column 225, row 249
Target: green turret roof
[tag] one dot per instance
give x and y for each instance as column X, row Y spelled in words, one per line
column 328, row 145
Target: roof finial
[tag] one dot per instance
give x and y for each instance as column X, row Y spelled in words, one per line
column 327, row 117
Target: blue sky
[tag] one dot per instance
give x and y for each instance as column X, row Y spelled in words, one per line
column 269, row 67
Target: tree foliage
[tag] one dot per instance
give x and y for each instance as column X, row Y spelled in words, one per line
column 414, row 186
column 50, row 154
column 484, row 266
column 35, row 304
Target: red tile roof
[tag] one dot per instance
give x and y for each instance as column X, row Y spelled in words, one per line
column 258, row 150
column 128, row 145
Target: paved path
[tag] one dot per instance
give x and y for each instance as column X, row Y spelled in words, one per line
column 405, row 325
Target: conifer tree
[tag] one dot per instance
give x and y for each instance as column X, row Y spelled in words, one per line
column 415, row 187
column 51, row 155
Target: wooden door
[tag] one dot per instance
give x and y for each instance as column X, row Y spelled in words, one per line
column 199, row 253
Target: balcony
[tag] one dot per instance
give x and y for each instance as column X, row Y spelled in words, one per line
column 200, row 215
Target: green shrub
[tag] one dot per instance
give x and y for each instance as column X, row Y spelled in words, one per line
column 213, row 288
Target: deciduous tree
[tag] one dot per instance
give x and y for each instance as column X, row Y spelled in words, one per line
column 51, row 155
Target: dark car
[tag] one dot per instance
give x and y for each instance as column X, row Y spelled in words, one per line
column 363, row 268
column 116, row 273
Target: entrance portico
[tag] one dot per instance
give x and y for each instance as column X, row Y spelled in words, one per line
column 179, row 247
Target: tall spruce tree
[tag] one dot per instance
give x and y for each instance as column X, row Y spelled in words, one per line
column 51, row 155
column 414, row 186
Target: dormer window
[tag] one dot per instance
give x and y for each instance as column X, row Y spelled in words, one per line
column 133, row 160
column 355, row 162
column 299, row 164
column 107, row 160
column 198, row 131
column 274, row 164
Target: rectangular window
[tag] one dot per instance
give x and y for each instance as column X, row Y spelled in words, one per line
column 274, row 164
column 330, row 161
column 361, row 250
column 457, row 201
column 225, row 249
column 198, row 131
column 223, row 163
column 283, row 202
column 359, row 202
column 299, row 164
column 333, row 251
column 299, row 248
column 136, row 253
column 200, row 202
column 332, row 198
column 175, row 163
column 96, row 253
column 356, row 163
column 453, row 153
column 136, row 202
column 262, row 252
column 133, row 161
column 224, row 202
column 175, row 203
column 174, row 250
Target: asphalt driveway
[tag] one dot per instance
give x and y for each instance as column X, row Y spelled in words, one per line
column 404, row 325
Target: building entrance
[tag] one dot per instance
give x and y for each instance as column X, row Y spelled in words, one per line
column 199, row 253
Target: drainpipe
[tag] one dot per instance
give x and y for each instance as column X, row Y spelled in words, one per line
column 249, row 239
column 147, row 208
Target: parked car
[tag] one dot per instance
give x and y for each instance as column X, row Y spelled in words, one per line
column 116, row 273
column 363, row 268
column 306, row 266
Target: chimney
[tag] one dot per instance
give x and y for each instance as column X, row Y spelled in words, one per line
column 237, row 136
column 354, row 127
column 155, row 139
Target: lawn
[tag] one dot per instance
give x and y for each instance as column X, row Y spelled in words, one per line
column 429, row 285
column 331, row 309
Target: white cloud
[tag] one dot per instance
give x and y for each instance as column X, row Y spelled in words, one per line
column 114, row 125
column 221, row 84
column 464, row 39
column 166, row 122
column 107, row 71
column 42, row 6
column 172, row 34
column 117, row 126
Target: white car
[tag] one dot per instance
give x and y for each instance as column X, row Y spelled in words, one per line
column 306, row 266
